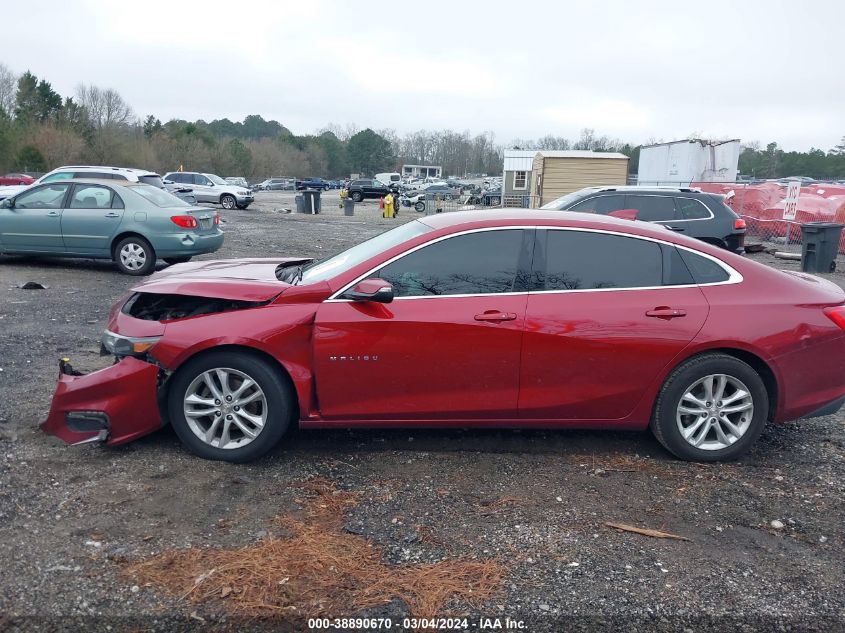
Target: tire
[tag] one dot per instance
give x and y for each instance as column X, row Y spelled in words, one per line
column 274, row 406
column 419, row 206
column 326, row 188
column 134, row 256
column 228, row 201
column 177, row 260
column 690, row 378
column 357, row 196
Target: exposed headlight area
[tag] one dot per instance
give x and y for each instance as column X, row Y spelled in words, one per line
column 243, row 193
column 120, row 345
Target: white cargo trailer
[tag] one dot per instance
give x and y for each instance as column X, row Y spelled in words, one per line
column 683, row 162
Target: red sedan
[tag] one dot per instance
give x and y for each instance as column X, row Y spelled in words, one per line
column 509, row 318
column 16, row 179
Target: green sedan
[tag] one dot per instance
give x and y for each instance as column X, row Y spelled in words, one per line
column 129, row 222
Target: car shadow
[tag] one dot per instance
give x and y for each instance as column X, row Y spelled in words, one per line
column 41, row 263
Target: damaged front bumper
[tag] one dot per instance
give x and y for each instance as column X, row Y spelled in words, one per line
column 114, row 405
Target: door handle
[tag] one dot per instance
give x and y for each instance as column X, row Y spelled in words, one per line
column 679, row 229
column 662, row 312
column 112, row 215
column 53, row 214
column 495, row 315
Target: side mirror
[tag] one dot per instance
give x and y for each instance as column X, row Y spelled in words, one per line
column 167, row 182
column 625, row 214
column 377, row 290
column 7, row 203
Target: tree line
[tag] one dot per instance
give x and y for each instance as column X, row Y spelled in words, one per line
column 40, row 130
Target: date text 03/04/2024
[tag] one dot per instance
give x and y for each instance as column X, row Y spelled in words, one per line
column 482, row 624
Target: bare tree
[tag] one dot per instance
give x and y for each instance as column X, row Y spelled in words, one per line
column 8, row 90
column 105, row 107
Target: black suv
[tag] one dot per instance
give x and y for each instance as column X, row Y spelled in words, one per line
column 689, row 211
column 364, row 188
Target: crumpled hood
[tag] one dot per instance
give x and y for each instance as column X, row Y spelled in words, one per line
column 248, row 279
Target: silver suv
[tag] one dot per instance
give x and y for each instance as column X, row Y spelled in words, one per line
column 209, row 188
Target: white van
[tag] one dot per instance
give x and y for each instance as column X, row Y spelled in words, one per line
column 391, row 179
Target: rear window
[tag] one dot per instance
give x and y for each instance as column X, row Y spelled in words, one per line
column 704, row 270
column 152, row 179
column 159, row 197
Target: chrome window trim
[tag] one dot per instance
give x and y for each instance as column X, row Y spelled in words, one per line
column 734, row 276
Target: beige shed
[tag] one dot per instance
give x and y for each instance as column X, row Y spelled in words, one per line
column 556, row 173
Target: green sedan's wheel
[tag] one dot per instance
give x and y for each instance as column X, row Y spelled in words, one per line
column 134, row 256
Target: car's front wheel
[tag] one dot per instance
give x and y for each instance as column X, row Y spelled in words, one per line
column 711, row 408
column 134, row 256
column 419, row 206
column 357, row 196
column 326, row 188
column 228, row 202
column 229, row 406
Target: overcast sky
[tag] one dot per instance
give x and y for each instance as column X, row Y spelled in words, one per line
column 635, row 70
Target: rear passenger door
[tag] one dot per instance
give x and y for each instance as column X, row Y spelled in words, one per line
column 91, row 219
column 606, row 314
column 203, row 188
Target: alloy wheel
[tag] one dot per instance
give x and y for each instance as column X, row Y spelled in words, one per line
column 715, row 412
column 225, row 408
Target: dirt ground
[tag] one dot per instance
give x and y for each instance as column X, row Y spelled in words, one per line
column 534, row 502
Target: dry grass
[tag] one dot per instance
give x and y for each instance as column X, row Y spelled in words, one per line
column 315, row 570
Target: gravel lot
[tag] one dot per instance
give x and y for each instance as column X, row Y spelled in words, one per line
column 766, row 536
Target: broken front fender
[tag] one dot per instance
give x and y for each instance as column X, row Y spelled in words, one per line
column 116, row 404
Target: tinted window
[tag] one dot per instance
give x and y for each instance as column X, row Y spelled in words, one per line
column 579, row 260
column 90, row 197
column 704, row 271
column 153, row 180
column 117, row 202
column 477, row 263
column 93, row 174
column 601, row 204
column 199, row 179
column 691, row 209
column 49, row 197
column 652, row 208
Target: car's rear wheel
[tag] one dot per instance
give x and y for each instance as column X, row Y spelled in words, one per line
column 134, row 256
column 357, row 196
column 711, row 408
column 177, row 260
column 228, row 202
column 229, row 406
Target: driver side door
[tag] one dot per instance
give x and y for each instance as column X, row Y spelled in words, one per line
column 446, row 349
column 33, row 224
column 203, row 189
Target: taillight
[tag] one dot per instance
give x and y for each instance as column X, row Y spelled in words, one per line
column 185, row 221
column 216, row 219
column 739, row 223
column 837, row 315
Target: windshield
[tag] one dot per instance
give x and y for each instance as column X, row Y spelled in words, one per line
column 560, row 203
column 324, row 269
column 217, row 180
column 159, row 197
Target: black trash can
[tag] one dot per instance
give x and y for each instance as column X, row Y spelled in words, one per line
column 311, row 198
column 819, row 246
column 348, row 207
